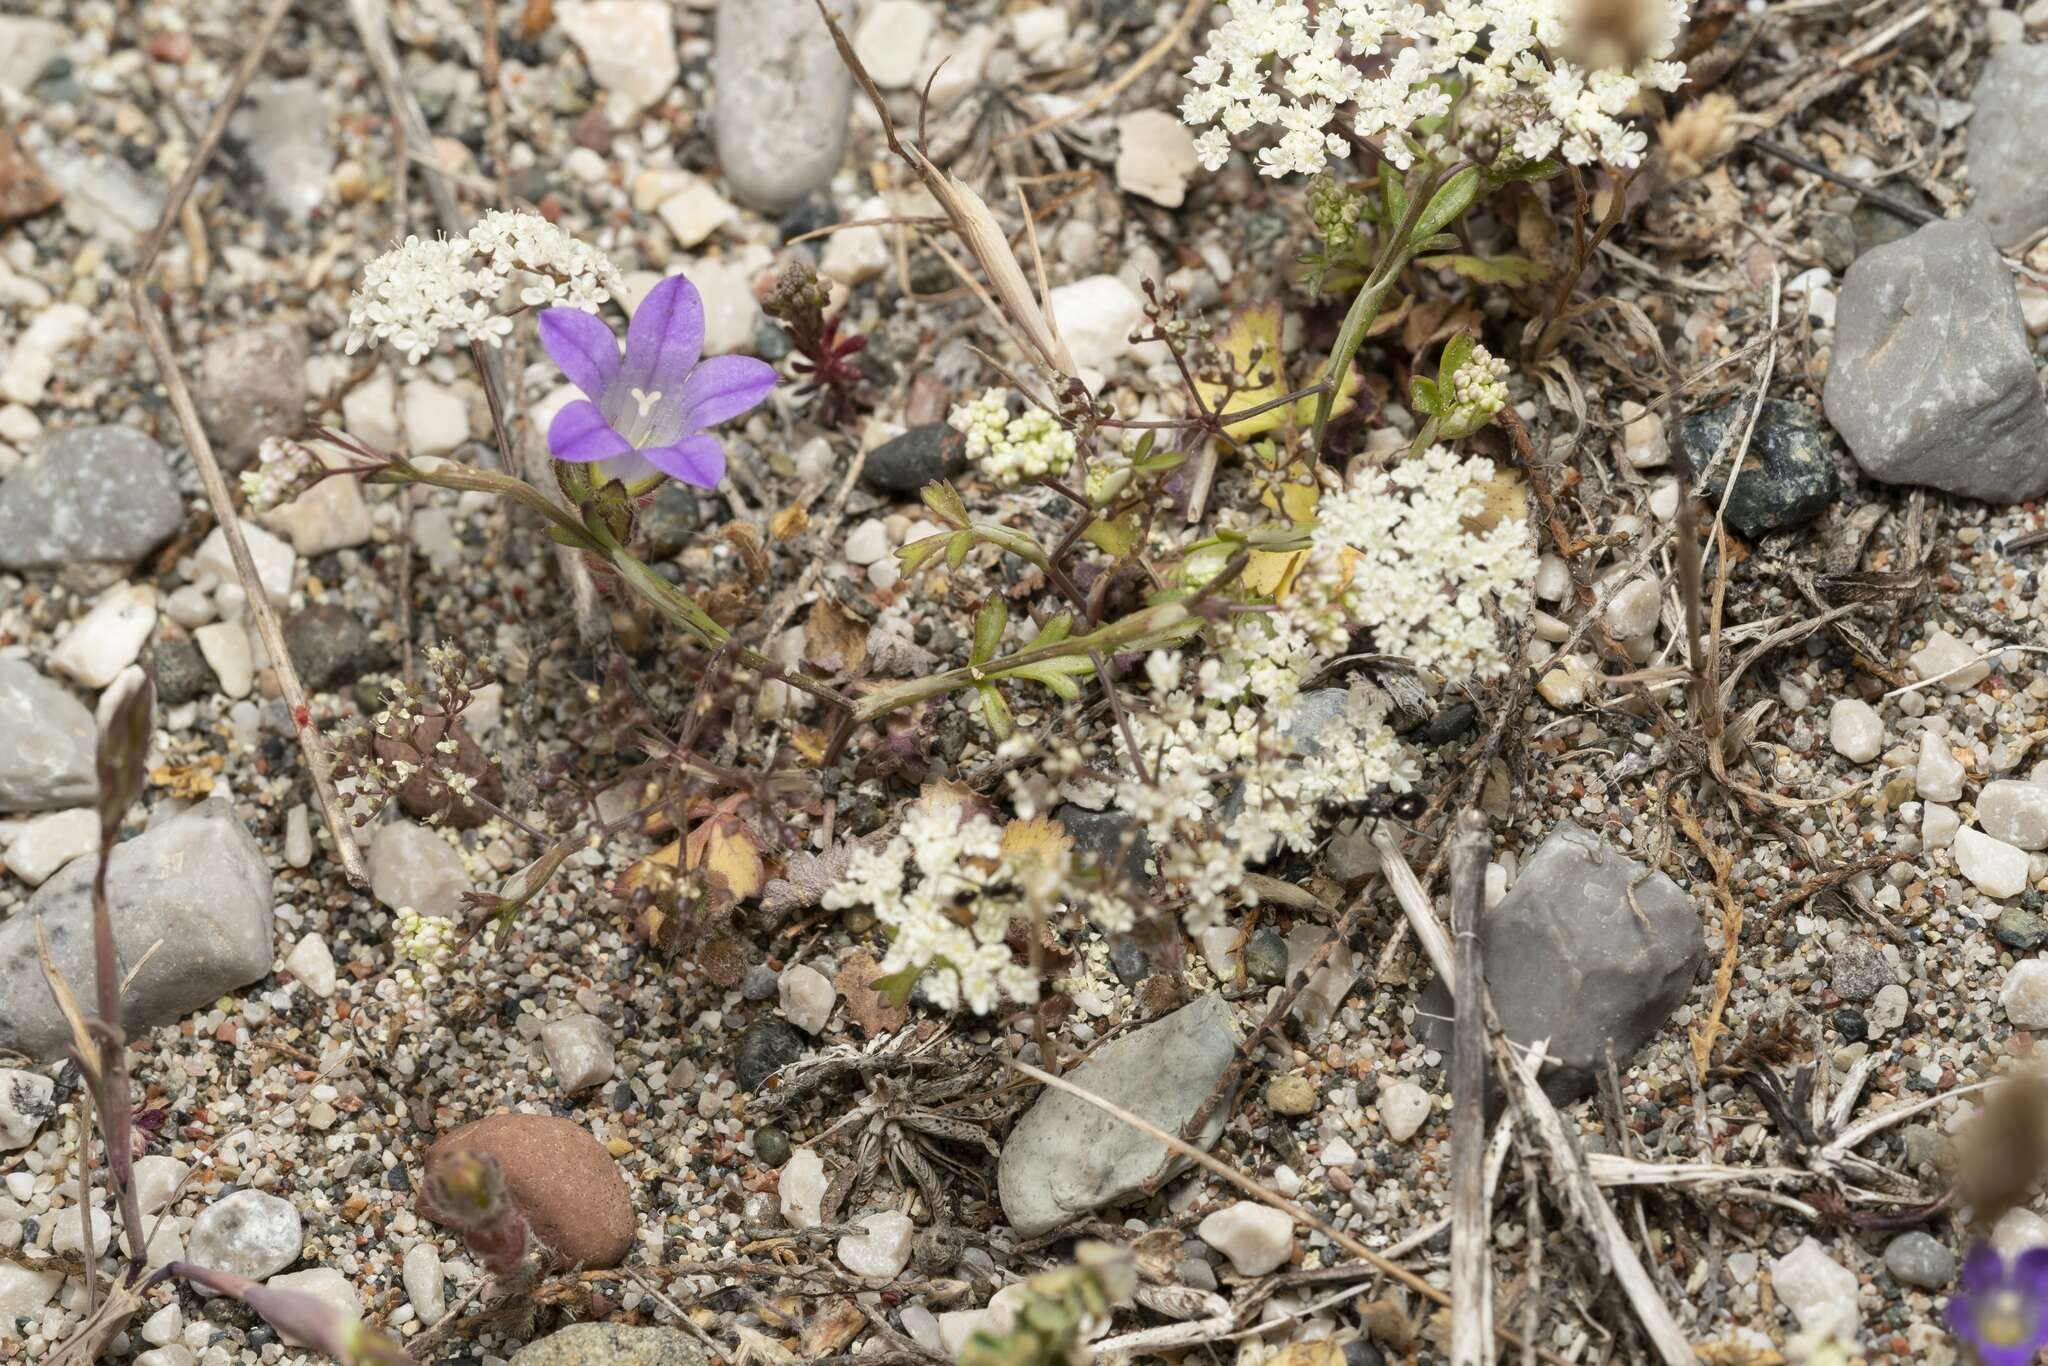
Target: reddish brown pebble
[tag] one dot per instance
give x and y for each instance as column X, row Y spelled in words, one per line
column 25, row 190
column 562, row 1179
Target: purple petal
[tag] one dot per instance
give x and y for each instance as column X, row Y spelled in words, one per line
column 723, row 387
column 583, row 347
column 2030, row 1274
column 579, row 434
column 697, row 460
column 1983, row 1271
column 665, row 338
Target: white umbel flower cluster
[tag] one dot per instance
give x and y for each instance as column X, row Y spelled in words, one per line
column 418, row 293
column 1274, row 63
column 1011, row 449
column 1396, row 552
column 1245, row 757
column 951, row 922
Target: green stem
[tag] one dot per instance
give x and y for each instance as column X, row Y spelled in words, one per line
column 1372, row 295
column 658, row 593
column 448, row 474
column 1143, row 629
column 682, row 610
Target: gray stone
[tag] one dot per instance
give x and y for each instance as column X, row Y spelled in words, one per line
column 181, row 674
column 46, row 742
column 611, row 1344
column 331, row 647
column 2008, row 182
column 768, row 1045
column 249, row 1233
column 1918, row 1259
column 101, row 495
column 411, row 865
column 1876, row 227
column 287, row 128
column 1788, row 475
column 1859, row 971
column 1106, row 838
column 252, row 385
column 196, row 885
column 905, row 464
column 1932, row 380
column 1065, row 1157
column 26, row 1100
column 1265, row 958
column 782, row 101
column 1590, row 950
column 2020, row 927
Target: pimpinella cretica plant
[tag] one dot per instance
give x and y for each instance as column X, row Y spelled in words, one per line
column 1457, row 98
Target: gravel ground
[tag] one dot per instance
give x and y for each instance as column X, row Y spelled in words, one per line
column 325, row 1083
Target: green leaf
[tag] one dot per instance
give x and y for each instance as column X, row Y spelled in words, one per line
column 896, row 987
column 1116, row 537
column 1452, row 199
column 1457, row 351
column 942, row 498
column 1144, row 448
column 1395, row 194
column 957, row 547
column 1154, row 464
column 1513, row 271
column 988, row 630
column 1526, row 171
column 996, row 711
column 1443, row 241
column 1055, row 673
column 1055, row 630
column 1422, row 396
column 917, row 552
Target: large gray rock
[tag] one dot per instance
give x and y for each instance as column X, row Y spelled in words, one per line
column 88, row 494
column 196, row 886
column 1932, row 380
column 611, row 1344
column 1569, row 959
column 1065, row 1157
column 2007, row 175
column 782, row 103
column 46, row 742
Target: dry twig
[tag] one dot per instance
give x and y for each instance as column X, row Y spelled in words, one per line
column 1471, row 1236
column 218, row 498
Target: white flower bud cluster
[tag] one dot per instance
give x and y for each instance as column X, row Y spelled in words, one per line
column 283, row 470
column 1479, row 389
column 1012, row 449
column 422, row 946
column 1275, row 63
column 418, row 293
column 951, row 923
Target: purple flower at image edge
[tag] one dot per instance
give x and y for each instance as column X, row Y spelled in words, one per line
column 2001, row 1312
column 649, row 410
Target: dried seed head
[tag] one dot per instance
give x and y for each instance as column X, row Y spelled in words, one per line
column 1699, row 135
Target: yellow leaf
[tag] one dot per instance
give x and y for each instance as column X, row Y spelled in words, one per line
column 648, row 868
column 811, row 743
column 1507, row 500
column 1270, row 573
column 722, row 847
column 1251, row 348
column 1038, row 840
